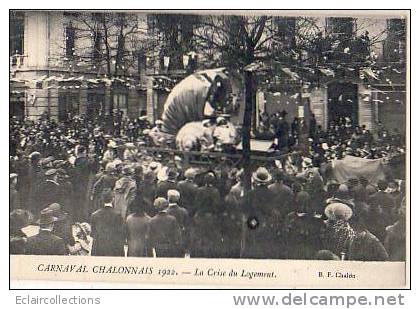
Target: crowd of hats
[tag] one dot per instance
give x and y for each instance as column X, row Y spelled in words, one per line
column 34, row 142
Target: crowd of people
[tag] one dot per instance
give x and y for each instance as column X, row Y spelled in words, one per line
column 82, row 188
column 341, row 137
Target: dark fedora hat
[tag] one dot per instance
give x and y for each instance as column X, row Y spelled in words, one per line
column 46, row 217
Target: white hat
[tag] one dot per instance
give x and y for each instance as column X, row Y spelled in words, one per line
column 173, row 195
column 206, row 122
column 112, row 144
column 307, row 162
column 338, row 210
column 220, row 120
column 190, row 173
column 153, row 165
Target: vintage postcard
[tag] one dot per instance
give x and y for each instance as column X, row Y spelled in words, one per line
column 222, row 149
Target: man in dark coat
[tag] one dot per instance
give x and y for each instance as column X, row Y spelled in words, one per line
column 231, row 226
column 181, row 215
column 104, row 183
column 107, row 230
column 31, row 181
column 283, row 194
column 62, row 226
column 364, row 246
column 263, row 225
column 385, row 202
column 165, row 232
column 80, row 177
column 147, row 190
column 302, row 228
column 395, row 242
column 168, row 184
column 18, row 219
column 49, row 191
column 188, row 189
column 45, row 242
column 207, row 197
column 282, row 131
column 206, row 239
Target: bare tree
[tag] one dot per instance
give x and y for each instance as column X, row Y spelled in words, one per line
column 237, row 42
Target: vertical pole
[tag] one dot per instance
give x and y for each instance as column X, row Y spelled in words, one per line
column 303, row 130
column 150, row 99
column 246, row 129
column 246, row 151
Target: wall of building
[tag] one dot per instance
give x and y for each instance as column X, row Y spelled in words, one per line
column 318, row 104
column 366, row 107
column 44, row 41
column 391, row 109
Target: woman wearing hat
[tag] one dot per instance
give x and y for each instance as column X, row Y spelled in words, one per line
column 338, row 233
column 124, row 191
column 83, row 240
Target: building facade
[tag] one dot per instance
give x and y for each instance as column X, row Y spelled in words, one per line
column 58, row 68
column 64, row 64
column 366, row 83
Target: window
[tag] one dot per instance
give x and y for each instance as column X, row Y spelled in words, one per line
column 95, row 104
column 391, row 108
column 17, row 27
column 285, row 31
column 341, row 27
column 70, row 40
column 120, row 103
column 68, row 105
column 395, row 42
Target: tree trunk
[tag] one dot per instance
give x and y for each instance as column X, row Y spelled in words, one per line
column 108, row 53
column 246, row 153
column 246, row 129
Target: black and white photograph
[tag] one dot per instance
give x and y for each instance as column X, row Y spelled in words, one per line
column 262, row 135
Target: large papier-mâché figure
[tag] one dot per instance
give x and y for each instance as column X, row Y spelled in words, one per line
column 195, row 98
